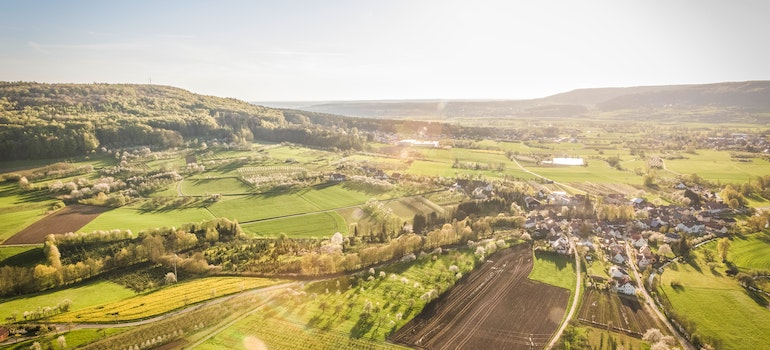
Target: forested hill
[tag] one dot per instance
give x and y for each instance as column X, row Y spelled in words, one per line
column 61, row 120
column 58, row 120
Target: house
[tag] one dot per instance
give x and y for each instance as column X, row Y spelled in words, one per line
column 690, row 227
column 625, row 286
column 190, row 159
column 4, row 334
column 619, row 258
column 617, row 272
column 638, row 241
column 672, row 237
column 560, row 245
column 531, row 202
column 642, row 261
column 337, row 177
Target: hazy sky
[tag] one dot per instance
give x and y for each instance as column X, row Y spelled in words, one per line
column 343, row 50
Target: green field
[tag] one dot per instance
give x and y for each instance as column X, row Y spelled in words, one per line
column 280, row 204
column 27, row 255
column 164, row 300
column 132, row 218
column 751, row 252
column 554, row 269
column 717, row 166
column 717, row 305
column 82, row 297
column 203, row 186
column 316, row 225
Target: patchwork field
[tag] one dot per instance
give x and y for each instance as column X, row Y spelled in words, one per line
column 491, row 301
column 69, row 219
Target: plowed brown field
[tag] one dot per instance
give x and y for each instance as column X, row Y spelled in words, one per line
column 620, row 313
column 496, row 307
column 69, row 219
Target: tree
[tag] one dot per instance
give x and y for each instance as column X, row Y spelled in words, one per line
column 170, row 278
column 665, row 250
column 723, row 245
column 62, row 342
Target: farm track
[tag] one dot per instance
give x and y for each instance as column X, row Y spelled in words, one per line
column 496, row 307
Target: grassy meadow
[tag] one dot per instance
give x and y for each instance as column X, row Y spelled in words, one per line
column 82, row 296
column 750, row 252
column 717, row 304
column 317, row 225
column 554, row 269
column 134, row 218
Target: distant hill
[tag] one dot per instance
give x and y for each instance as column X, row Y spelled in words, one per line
column 722, row 102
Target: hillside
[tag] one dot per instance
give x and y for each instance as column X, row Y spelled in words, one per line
column 744, row 102
column 62, row 120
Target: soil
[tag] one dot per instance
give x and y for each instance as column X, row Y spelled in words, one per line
column 69, row 219
column 620, row 313
column 495, row 307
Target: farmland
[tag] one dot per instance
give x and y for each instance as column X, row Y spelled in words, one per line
column 620, row 313
column 219, row 195
column 69, row 219
column 163, row 300
column 485, row 323
column 82, row 297
column 722, row 311
column 750, row 252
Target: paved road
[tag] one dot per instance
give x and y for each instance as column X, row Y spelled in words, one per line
column 654, row 307
column 574, row 300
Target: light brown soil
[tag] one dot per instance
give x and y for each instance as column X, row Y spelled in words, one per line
column 69, row 219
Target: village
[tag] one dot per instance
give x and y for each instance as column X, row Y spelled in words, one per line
column 647, row 242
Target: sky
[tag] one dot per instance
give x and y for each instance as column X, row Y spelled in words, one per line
column 395, row 49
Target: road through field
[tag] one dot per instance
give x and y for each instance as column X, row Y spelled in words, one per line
column 576, row 190
column 682, row 341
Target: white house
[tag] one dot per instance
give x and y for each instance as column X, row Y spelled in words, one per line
column 626, row 287
column 561, row 245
